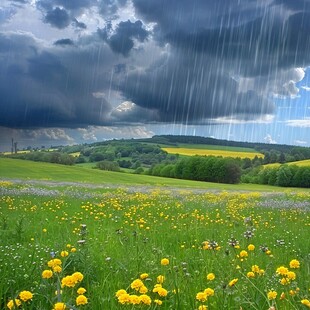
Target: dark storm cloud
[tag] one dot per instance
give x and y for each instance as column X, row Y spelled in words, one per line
column 58, row 18
column 189, row 93
column 212, row 44
column 122, row 40
column 256, row 39
column 64, row 42
column 78, row 24
column 48, row 88
column 297, row 5
column 181, row 61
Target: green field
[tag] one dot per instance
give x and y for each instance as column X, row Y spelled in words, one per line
column 150, row 248
column 23, row 169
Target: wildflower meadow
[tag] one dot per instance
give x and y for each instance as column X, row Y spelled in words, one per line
column 152, row 248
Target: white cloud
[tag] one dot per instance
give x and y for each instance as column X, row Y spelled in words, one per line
column 300, row 142
column 302, row 123
column 281, row 84
column 264, row 119
column 269, row 139
column 306, row 88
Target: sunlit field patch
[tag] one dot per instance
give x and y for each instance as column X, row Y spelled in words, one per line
column 156, row 249
column 300, row 163
column 211, row 152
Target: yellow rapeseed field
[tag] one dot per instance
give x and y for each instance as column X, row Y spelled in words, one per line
column 205, row 152
column 300, row 163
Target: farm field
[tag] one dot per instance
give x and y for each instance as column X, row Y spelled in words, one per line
column 300, row 163
column 211, row 152
column 217, row 147
column 134, row 247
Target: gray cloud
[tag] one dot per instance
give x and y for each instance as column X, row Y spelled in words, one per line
column 122, row 40
column 58, row 18
column 49, row 88
column 64, row 42
column 78, row 24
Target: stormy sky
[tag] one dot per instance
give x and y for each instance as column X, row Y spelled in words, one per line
column 87, row 70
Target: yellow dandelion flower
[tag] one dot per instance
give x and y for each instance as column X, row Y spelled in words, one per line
column 285, row 281
column 145, row 299
column 243, row 254
column 46, row 274
column 158, row 302
column 294, row 264
column 124, row 298
column 144, row 276
column 306, row 302
column 57, row 269
column 255, row 269
column 251, row 247
column 25, row 295
column 120, row 292
column 210, row 276
column 12, row 303
column 291, row 275
column 134, row 299
column 209, row 291
column 59, row 306
column 261, row 272
column 160, row 279
column 73, row 250
column 162, row 292
column 136, row 284
column 282, row 271
column 250, row 274
column 143, row 289
column 78, row 276
column 201, row 296
column 81, row 291
column 233, row 282
column 54, row 262
column 68, row 281
column 81, row 300
column 272, row 295
column 202, row 307
column 64, row 253
column 164, row 262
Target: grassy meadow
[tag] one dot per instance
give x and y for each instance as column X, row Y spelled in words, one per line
column 131, row 246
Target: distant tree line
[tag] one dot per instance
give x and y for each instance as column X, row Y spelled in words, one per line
column 126, row 154
column 201, row 168
column 284, row 175
column 49, row 157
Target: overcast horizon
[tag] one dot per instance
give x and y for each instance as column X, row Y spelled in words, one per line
column 84, row 71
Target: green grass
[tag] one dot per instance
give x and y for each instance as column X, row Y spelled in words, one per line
column 23, row 169
column 87, row 165
column 128, row 234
